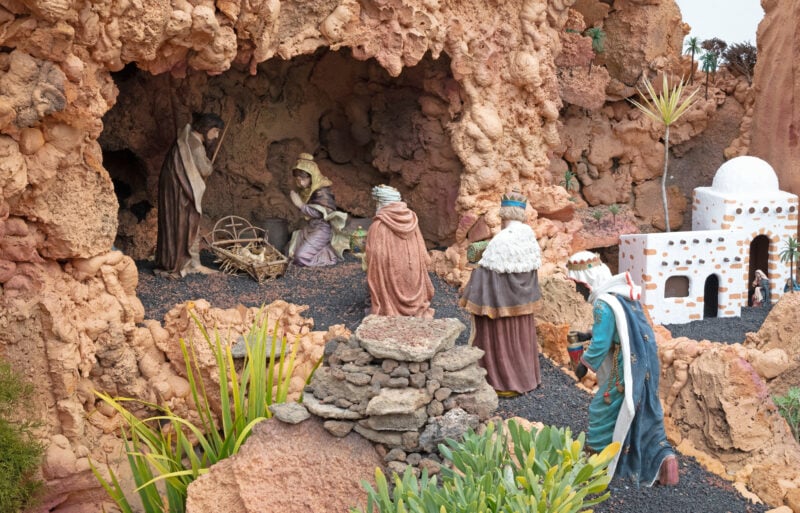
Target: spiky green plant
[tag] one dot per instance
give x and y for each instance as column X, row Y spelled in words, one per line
column 614, row 210
column 169, row 451
column 664, row 108
column 598, row 37
column 547, row 471
column 789, row 408
column 20, row 451
column 568, row 183
column 598, row 215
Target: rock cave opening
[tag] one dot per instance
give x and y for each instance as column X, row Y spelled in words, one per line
column 363, row 126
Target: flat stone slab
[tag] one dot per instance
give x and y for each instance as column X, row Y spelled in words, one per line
column 328, row 411
column 408, row 339
column 392, row 401
column 457, row 358
column 398, row 422
column 465, row 380
column 290, row 413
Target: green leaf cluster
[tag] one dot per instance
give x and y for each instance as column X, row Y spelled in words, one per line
column 568, row 183
column 168, row 452
column 20, row 452
column 790, row 253
column 518, row 471
column 665, row 107
column 789, row 407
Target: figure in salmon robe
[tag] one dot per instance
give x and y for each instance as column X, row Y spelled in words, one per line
column 396, row 259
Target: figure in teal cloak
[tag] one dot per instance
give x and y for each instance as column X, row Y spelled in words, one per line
column 624, row 355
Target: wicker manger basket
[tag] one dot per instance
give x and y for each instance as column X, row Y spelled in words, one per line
column 242, row 247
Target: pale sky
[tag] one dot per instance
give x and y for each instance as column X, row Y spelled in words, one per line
column 733, row 21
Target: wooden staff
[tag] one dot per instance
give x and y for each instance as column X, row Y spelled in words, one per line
column 221, row 138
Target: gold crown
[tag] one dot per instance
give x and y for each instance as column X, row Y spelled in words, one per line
column 584, row 263
column 513, row 199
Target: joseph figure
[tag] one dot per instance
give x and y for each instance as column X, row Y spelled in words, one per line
column 181, row 186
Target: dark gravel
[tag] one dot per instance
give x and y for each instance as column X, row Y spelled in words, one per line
column 338, row 295
column 730, row 329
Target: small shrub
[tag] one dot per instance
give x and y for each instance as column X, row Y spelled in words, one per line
column 789, row 407
column 20, row 452
column 568, row 182
column 614, row 210
column 598, row 215
column 546, row 472
column 168, row 450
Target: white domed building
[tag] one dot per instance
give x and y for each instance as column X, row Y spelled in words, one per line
column 739, row 225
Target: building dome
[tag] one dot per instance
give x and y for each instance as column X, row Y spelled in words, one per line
column 745, row 175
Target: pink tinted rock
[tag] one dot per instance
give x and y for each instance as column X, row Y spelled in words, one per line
column 479, row 231
column 299, row 468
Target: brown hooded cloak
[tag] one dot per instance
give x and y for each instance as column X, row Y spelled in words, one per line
column 397, row 264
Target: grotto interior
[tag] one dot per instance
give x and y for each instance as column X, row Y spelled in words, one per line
column 363, row 126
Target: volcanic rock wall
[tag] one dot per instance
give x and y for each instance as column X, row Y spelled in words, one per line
column 481, row 110
column 70, row 317
column 718, row 407
column 775, row 129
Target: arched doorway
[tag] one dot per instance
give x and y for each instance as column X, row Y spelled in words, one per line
column 759, row 259
column 711, row 296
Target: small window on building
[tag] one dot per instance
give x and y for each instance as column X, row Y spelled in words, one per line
column 677, row 286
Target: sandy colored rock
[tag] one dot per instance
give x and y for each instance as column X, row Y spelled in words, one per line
column 30, row 140
column 553, row 339
column 230, row 324
column 779, row 335
column 715, row 401
column 562, row 303
column 649, row 205
column 303, row 460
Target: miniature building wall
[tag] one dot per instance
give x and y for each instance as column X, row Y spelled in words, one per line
column 743, row 203
column 772, row 215
column 653, row 259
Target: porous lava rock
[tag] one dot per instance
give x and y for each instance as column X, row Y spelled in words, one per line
column 288, row 467
column 716, row 400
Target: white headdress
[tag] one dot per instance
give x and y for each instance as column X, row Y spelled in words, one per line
column 385, row 194
column 586, row 267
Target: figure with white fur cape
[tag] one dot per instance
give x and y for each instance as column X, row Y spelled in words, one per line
column 500, row 295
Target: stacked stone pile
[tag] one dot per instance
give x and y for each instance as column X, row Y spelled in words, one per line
column 402, row 383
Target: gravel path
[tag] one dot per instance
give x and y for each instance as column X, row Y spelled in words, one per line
column 338, row 295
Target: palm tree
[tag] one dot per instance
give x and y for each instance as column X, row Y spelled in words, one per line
column 665, row 108
column 790, row 253
column 692, row 46
column 709, row 60
column 598, row 38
